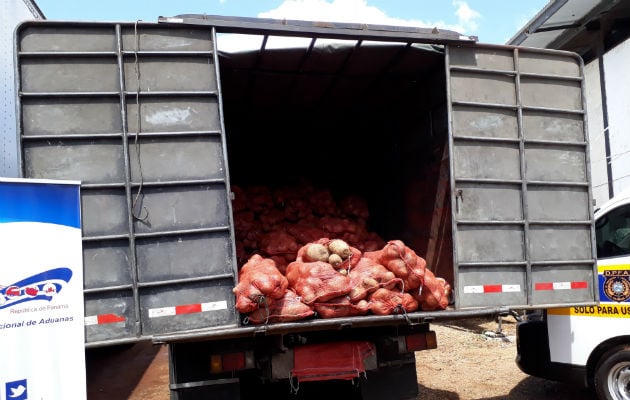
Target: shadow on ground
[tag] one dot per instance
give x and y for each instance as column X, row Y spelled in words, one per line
column 528, row 389
column 113, row 372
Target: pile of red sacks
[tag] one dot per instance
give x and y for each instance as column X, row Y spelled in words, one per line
column 330, row 278
column 277, row 222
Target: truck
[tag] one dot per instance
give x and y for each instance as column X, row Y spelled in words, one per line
column 475, row 156
column 598, row 354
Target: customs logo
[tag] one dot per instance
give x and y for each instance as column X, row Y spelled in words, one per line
column 42, row 286
column 617, row 285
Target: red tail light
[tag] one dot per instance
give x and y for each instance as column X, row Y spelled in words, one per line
column 231, row 362
column 421, row 341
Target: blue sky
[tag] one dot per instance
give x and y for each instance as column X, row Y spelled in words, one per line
column 493, row 21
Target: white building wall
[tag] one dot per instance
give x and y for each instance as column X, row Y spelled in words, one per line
column 12, row 12
column 616, row 68
column 595, row 129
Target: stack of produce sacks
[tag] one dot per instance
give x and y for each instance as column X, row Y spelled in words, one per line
column 333, row 279
column 276, row 222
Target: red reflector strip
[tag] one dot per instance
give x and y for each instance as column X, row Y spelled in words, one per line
column 492, row 288
column 187, row 309
column 477, row 289
column 561, row 285
column 579, row 285
column 103, row 319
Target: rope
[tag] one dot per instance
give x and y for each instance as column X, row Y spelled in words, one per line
column 399, row 309
column 138, row 129
column 259, row 299
column 294, row 386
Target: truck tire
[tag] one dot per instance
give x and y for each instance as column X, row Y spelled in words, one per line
column 612, row 374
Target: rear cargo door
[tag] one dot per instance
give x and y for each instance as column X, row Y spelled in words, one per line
column 132, row 111
column 521, row 198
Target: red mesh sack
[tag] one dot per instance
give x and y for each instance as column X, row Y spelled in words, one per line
column 341, row 307
column 282, row 261
column 371, row 242
column 386, row 302
column 434, row 294
column 286, row 309
column 316, row 281
column 294, row 201
column 322, row 202
column 258, row 280
column 354, row 206
column 296, row 209
column 279, row 243
column 367, row 276
column 247, row 228
column 271, row 218
column 305, row 233
column 403, row 262
column 259, row 198
column 338, row 227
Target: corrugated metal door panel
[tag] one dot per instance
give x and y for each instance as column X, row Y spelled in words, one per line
column 133, row 112
column 522, row 216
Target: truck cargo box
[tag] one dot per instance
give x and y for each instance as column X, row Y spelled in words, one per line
column 475, row 156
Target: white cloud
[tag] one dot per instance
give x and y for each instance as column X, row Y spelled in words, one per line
column 358, row 11
column 466, row 16
column 335, row 10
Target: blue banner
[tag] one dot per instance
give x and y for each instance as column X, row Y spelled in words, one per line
column 34, row 202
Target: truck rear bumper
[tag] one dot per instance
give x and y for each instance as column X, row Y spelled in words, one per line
column 533, row 356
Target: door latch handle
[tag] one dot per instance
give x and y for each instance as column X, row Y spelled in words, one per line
column 459, row 195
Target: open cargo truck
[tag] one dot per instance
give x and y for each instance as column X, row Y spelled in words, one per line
column 475, row 156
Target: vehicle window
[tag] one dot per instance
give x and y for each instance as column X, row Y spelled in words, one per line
column 612, row 233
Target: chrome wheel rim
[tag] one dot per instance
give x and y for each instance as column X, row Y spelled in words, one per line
column 619, row 381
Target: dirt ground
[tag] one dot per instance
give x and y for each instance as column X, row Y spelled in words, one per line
column 472, row 365
column 467, row 365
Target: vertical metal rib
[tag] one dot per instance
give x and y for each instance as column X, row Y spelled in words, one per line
column 523, row 167
column 128, row 188
column 449, row 105
column 228, row 190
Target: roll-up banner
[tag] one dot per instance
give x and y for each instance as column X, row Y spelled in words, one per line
column 41, row 291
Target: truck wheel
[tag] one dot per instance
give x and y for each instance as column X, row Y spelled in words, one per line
column 612, row 374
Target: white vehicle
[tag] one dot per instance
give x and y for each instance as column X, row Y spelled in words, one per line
column 589, row 344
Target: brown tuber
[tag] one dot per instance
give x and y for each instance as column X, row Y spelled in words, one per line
column 335, row 260
column 316, row 252
column 340, row 247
